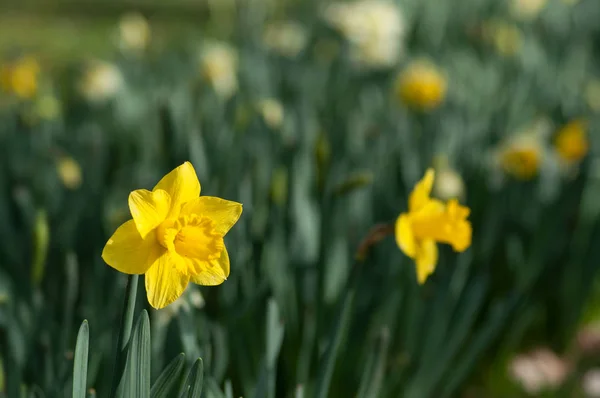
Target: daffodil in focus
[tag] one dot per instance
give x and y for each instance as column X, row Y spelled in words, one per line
column 421, row 85
column 174, row 238
column 571, row 142
column 20, row 77
column 429, row 222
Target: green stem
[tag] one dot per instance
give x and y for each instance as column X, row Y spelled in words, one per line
column 124, row 332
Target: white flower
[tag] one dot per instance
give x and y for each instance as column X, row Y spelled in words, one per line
column 375, row 30
column 540, row 370
column 101, row 81
column 219, row 66
column 272, row 112
column 591, row 383
column 448, row 184
column 134, row 32
column 285, row 38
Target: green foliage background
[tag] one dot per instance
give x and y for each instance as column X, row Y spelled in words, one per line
column 298, row 317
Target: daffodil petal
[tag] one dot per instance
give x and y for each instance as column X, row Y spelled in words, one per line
column 149, row 209
column 224, row 213
column 127, row 252
column 419, row 197
column 426, row 259
column 182, row 185
column 212, row 272
column 164, row 282
column 404, row 236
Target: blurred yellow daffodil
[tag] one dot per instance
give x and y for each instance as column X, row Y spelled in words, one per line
column 429, row 221
column 69, row 172
column 521, row 158
column 571, row 142
column 175, row 237
column 21, row 77
column 421, row 85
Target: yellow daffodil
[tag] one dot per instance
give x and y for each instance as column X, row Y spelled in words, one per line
column 572, row 142
column 175, row 237
column 428, row 222
column 521, row 155
column 69, row 172
column 421, row 85
column 21, row 77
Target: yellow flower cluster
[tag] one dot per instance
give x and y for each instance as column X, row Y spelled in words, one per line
column 428, row 222
column 521, row 156
column 20, row 77
column 176, row 236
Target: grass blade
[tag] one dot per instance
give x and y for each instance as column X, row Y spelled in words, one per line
column 80, row 362
column 331, row 353
column 169, row 377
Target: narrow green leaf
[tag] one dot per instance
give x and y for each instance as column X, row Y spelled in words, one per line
column 137, row 370
column 373, row 376
column 80, row 361
column 195, row 379
column 228, row 389
column 186, row 392
column 212, row 389
column 273, row 339
column 169, row 377
column 124, row 333
column 274, row 336
column 331, row 353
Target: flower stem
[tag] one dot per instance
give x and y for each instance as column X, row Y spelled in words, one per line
column 124, row 332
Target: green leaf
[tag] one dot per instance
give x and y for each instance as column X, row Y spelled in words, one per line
column 373, row 376
column 169, row 377
column 80, row 362
column 124, row 334
column 331, row 353
column 193, row 383
column 136, row 381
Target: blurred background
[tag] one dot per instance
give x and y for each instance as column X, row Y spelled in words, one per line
column 319, row 117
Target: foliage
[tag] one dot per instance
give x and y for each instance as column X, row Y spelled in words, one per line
column 298, row 315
